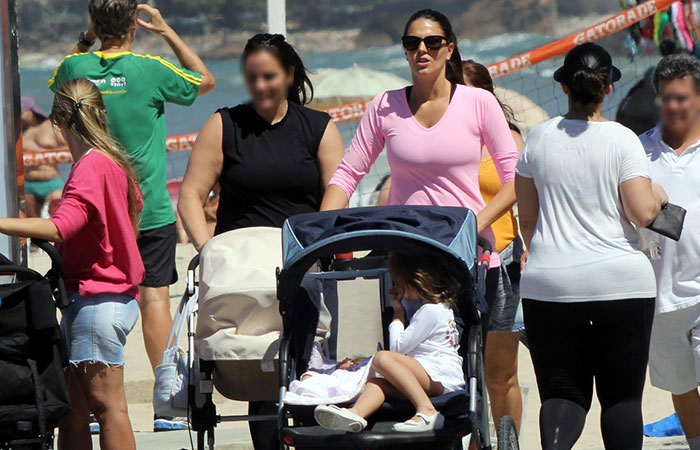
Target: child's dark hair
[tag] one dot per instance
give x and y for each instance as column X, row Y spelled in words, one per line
column 453, row 71
column 290, row 60
column 431, row 281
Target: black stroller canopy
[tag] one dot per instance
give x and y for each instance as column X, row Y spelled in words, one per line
column 447, row 234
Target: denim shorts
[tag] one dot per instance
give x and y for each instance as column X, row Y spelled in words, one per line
column 503, row 291
column 95, row 328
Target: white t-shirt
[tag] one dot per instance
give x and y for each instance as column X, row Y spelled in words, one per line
column 431, row 339
column 584, row 248
column 678, row 271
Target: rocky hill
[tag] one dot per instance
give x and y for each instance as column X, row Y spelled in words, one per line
column 219, row 28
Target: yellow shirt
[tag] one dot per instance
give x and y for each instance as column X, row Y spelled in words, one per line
column 505, row 228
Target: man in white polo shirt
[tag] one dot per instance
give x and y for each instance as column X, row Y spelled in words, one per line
column 673, row 148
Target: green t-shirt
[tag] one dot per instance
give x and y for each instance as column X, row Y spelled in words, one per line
column 134, row 89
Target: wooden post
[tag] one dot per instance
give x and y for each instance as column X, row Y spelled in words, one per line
column 11, row 165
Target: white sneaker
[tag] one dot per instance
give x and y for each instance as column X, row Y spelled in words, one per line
column 434, row 422
column 333, row 418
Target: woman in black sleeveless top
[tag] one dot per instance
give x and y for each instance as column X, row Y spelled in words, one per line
column 272, row 158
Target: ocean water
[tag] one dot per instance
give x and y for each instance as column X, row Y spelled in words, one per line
column 231, row 91
column 534, row 82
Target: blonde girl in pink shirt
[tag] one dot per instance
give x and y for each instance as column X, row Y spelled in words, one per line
column 434, row 132
column 95, row 228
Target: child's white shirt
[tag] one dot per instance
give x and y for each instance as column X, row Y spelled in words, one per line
column 431, row 339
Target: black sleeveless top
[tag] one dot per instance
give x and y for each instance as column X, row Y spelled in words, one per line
column 270, row 172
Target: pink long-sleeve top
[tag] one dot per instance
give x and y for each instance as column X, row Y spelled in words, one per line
column 437, row 165
column 99, row 249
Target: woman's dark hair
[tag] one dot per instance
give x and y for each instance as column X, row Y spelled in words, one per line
column 301, row 91
column 587, row 71
column 479, row 76
column 453, row 71
column 112, row 19
column 588, row 85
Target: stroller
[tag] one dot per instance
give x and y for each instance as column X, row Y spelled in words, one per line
column 446, row 234
column 234, row 328
column 306, row 292
column 33, row 393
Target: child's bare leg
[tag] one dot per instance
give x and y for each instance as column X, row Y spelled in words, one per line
column 372, row 398
column 409, row 378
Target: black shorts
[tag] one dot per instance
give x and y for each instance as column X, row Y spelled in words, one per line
column 157, row 248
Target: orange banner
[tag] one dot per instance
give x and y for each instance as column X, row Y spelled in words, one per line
column 185, row 142
column 349, row 111
column 179, row 143
column 605, row 28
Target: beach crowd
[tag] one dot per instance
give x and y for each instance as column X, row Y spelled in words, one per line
column 603, row 297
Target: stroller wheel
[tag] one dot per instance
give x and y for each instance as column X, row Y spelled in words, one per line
column 507, row 436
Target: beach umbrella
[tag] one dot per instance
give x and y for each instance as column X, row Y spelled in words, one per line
column 337, row 87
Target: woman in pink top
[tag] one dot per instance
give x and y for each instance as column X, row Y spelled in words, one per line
column 95, row 227
column 434, row 132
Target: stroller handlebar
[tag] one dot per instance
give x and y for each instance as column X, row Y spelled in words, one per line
column 191, row 274
column 49, row 249
column 56, row 272
column 484, row 244
column 194, row 262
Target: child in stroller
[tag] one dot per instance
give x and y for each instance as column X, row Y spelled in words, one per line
column 423, row 360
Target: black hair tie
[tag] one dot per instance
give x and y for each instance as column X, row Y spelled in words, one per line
column 78, row 105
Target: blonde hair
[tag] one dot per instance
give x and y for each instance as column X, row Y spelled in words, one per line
column 431, row 281
column 78, row 109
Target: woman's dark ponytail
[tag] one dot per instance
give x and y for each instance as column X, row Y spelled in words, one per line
column 588, row 85
column 453, row 71
column 301, row 91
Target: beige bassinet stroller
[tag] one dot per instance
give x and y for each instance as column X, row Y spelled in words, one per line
column 237, row 324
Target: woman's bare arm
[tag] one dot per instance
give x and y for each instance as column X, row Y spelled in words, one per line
column 642, row 200
column 203, row 171
column 503, row 201
column 528, row 207
column 330, row 152
column 30, row 228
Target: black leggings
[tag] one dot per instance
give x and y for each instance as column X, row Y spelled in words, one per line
column 572, row 344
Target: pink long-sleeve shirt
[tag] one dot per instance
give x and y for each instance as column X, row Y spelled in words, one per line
column 437, row 165
column 99, row 249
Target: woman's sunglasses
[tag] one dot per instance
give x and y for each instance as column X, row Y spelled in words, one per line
column 412, row 43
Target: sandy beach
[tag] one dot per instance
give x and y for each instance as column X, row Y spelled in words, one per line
column 357, row 305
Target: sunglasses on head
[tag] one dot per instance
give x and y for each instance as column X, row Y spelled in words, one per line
column 412, row 43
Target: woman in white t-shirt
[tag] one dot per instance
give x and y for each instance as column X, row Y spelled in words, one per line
column 588, row 291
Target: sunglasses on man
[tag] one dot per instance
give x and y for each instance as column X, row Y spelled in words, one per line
column 411, row 43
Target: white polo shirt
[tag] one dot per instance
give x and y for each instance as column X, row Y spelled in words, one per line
column 678, row 271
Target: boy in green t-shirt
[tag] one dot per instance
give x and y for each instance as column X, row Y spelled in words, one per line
column 135, row 89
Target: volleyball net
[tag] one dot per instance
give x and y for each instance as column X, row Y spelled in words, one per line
column 524, row 82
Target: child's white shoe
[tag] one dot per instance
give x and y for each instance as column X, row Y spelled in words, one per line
column 333, row 418
column 426, row 423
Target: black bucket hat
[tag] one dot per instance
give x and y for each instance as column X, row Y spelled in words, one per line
column 587, row 56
